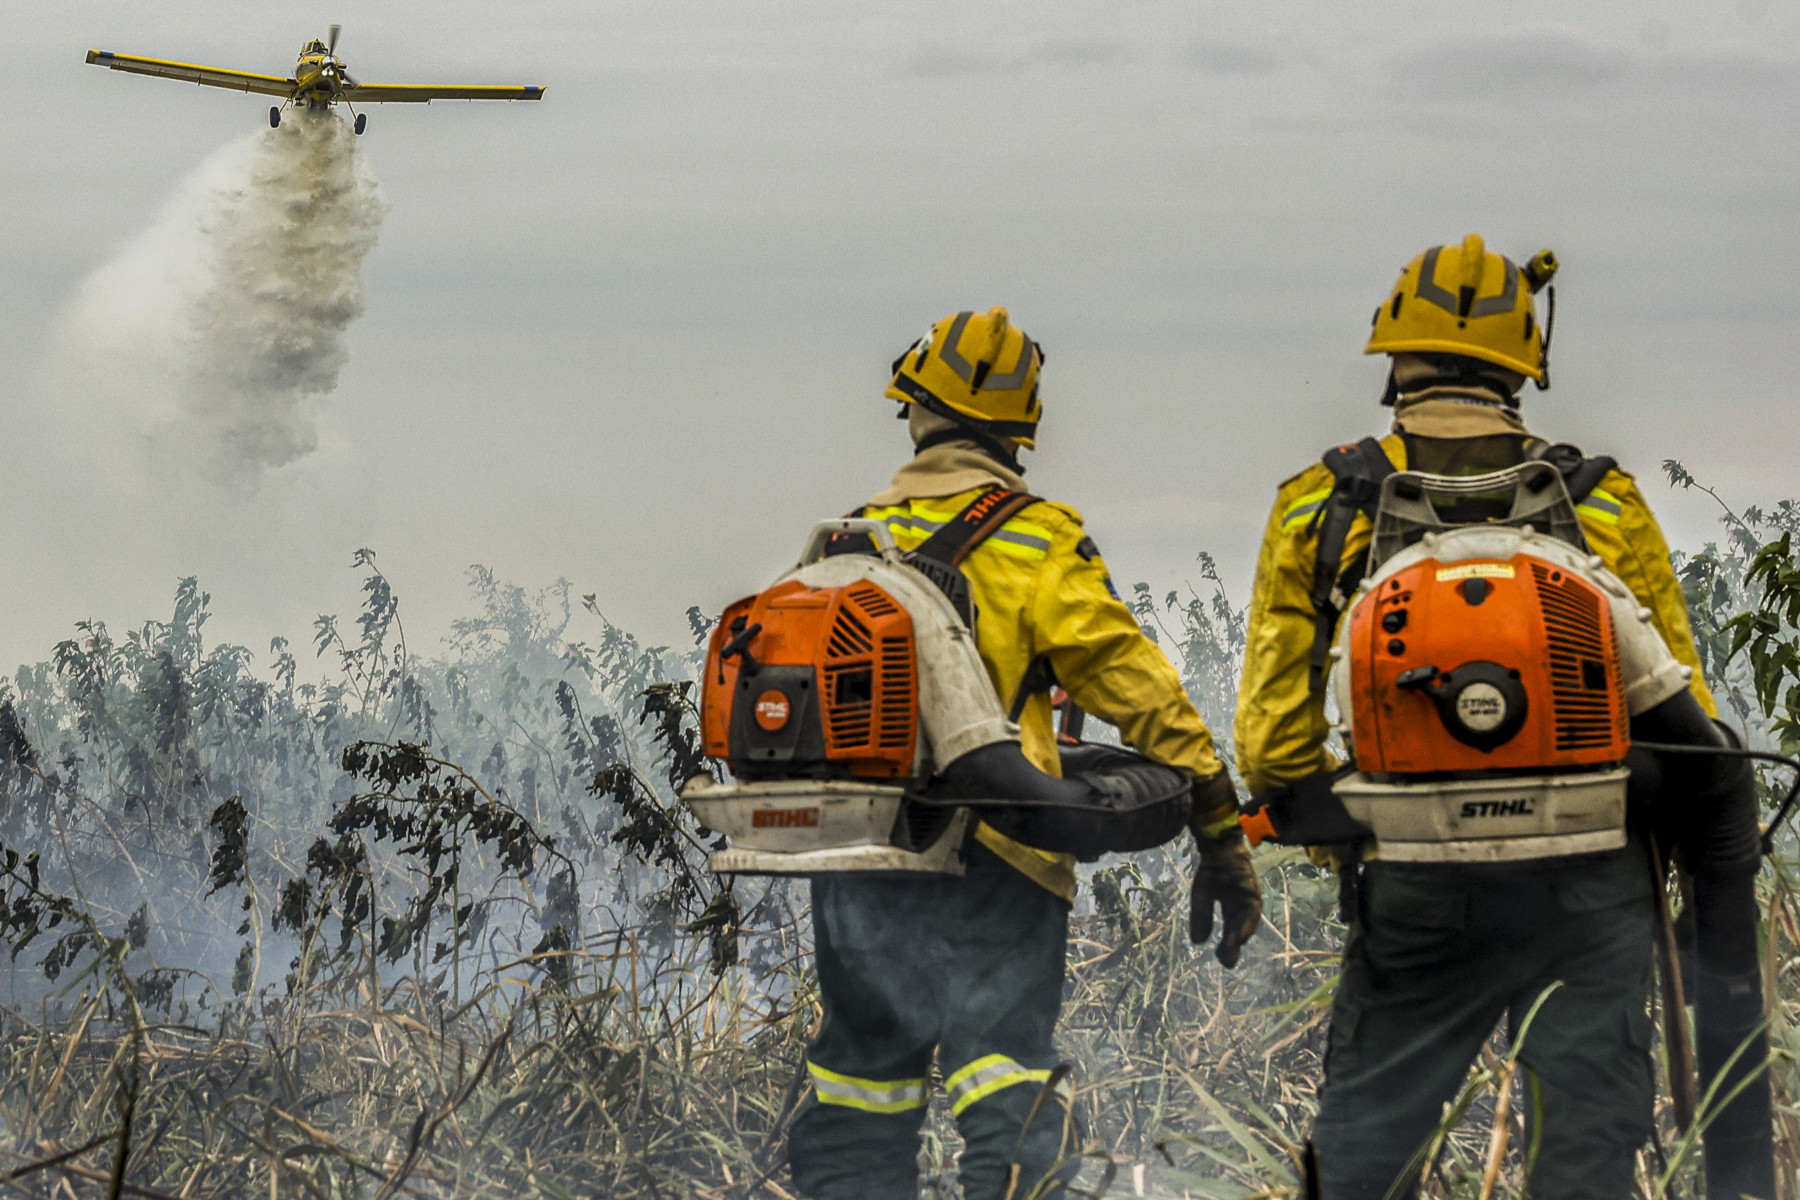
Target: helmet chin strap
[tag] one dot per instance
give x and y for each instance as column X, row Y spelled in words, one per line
column 1543, row 385
column 1390, row 395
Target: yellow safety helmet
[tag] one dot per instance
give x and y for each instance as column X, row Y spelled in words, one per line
column 1468, row 300
column 978, row 370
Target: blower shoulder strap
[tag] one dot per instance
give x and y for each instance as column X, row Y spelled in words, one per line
column 942, row 553
column 1581, row 474
column 980, row 518
column 948, row 546
column 1357, row 470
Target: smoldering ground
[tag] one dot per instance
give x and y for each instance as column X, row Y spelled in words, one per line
column 205, row 347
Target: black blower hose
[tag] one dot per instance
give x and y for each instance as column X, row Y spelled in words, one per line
column 1109, row 801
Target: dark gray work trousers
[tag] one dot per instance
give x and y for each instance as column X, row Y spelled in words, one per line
column 970, row 968
column 1437, row 956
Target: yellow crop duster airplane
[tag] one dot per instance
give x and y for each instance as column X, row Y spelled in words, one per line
column 319, row 80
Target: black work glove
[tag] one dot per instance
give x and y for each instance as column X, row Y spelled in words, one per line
column 1224, row 874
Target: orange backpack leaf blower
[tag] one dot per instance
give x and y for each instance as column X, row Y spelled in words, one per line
column 864, row 733
column 1484, row 677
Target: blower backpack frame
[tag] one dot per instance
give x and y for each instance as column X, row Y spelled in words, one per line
column 1485, row 676
column 863, row 731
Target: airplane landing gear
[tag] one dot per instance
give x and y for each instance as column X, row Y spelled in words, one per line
column 362, row 122
column 274, row 117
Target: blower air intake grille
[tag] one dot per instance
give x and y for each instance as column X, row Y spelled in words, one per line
column 896, row 692
column 869, row 695
column 849, row 691
column 1581, row 695
column 872, row 600
column 849, row 636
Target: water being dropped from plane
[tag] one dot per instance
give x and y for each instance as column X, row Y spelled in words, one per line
column 207, row 344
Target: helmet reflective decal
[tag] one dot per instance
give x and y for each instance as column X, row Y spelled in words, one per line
column 1429, row 290
column 965, row 370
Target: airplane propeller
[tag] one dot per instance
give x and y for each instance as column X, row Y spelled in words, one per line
column 331, row 41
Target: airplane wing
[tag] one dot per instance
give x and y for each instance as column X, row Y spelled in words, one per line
column 237, row 81
column 407, row 93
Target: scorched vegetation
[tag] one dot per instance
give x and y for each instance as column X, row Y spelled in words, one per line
column 348, row 921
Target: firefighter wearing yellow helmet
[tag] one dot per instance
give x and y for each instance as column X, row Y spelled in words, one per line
column 969, row 970
column 1468, row 301
column 1440, row 952
column 979, row 373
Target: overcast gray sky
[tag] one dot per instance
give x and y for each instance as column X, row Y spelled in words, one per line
column 636, row 335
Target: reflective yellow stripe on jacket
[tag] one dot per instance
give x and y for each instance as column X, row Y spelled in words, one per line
column 1602, row 506
column 1043, row 591
column 1305, row 509
column 912, row 524
column 1280, row 728
column 869, row 1095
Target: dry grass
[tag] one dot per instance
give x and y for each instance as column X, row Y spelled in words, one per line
column 650, row 1076
column 647, row 1078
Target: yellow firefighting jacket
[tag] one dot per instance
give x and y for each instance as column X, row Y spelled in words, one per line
column 1041, row 590
column 1280, row 728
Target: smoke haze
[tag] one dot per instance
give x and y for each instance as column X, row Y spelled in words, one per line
column 596, row 324
column 206, row 344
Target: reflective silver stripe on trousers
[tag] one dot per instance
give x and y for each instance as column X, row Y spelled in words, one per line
column 996, row 1072
column 869, row 1095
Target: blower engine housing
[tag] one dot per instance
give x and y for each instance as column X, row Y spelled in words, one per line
column 1485, row 666
column 830, row 691
column 852, row 706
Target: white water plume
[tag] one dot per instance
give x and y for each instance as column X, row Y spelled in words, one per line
column 208, row 342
